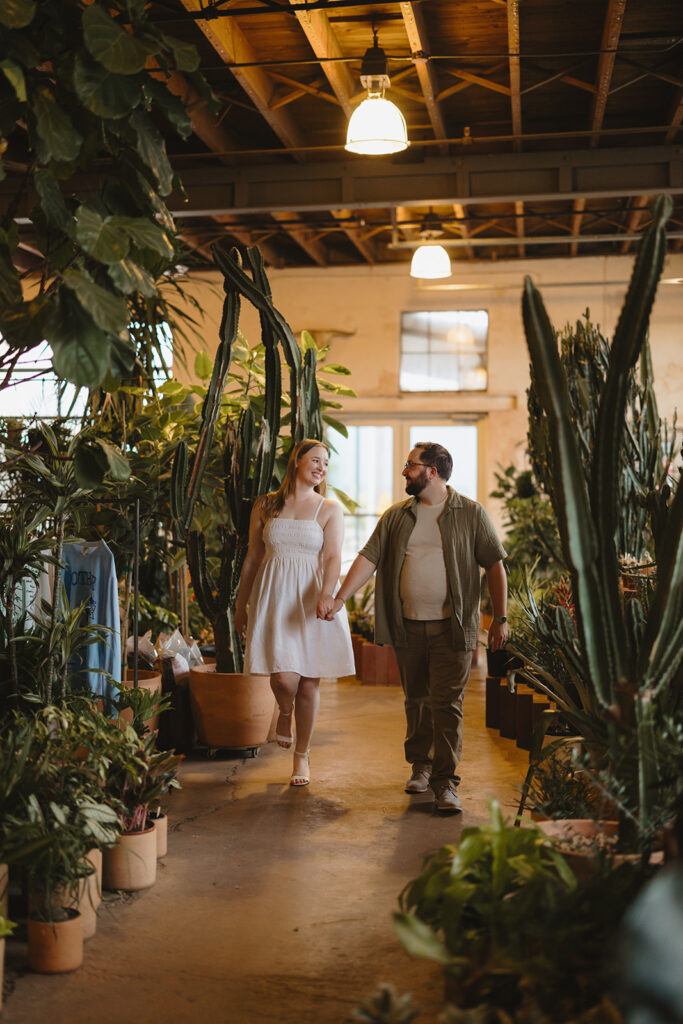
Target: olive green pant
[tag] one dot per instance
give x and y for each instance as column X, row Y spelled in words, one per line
column 434, row 676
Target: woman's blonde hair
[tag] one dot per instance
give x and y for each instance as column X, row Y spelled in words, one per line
column 273, row 503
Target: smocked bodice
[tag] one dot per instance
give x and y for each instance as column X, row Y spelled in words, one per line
column 293, row 539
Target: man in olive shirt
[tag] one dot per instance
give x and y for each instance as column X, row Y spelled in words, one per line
column 428, row 552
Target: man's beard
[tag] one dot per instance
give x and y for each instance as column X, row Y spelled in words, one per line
column 417, row 485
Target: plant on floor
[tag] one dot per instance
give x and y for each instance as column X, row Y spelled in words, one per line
column 531, row 536
column 560, row 790
column 625, row 665
column 138, row 776
column 249, row 447
column 511, row 924
column 385, row 1006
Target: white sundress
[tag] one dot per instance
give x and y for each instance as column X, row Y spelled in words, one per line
column 283, row 632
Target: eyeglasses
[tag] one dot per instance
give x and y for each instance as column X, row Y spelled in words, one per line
column 409, row 463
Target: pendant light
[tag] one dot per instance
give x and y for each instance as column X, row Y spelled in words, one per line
column 377, row 127
column 430, row 261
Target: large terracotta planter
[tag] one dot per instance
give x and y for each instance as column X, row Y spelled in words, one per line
column 230, row 709
column 132, row 863
column 379, row 666
column 55, row 947
column 150, row 681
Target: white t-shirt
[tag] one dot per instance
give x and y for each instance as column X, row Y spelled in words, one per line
column 424, row 586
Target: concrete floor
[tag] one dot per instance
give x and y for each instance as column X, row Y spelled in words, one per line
column 273, row 905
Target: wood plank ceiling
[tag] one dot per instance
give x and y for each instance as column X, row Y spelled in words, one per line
column 538, row 128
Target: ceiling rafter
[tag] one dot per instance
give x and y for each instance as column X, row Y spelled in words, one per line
column 578, row 207
column 515, row 76
column 519, row 224
column 485, row 83
column 608, row 50
column 228, row 39
column 303, row 235
column 312, row 89
column 365, row 248
column 325, row 44
column 560, row 76
column 416, row 30
column 675, row 119
column 463, row 224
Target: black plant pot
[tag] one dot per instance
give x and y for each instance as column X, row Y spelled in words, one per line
column 499, row 663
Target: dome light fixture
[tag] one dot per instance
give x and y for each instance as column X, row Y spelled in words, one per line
column 377, row 127
column 430, row 261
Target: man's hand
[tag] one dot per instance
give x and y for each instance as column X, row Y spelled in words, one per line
column 498, row 634
column 337, row 605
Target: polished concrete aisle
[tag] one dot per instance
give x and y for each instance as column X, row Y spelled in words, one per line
column 273, row 905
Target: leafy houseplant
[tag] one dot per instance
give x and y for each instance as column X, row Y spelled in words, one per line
column 512, row 926
column 626, row 665
column 82, row 86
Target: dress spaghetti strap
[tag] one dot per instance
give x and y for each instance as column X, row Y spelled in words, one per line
column 315, row 517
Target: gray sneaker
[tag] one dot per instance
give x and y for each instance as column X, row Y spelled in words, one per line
column 419, row 780
column 447, row 799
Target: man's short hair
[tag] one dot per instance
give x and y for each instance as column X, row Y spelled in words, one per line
column 436, row 455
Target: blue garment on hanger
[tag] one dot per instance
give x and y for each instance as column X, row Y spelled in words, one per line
column 89, row 574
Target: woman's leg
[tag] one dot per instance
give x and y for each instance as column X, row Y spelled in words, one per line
column 284, row 686
column 306, row 711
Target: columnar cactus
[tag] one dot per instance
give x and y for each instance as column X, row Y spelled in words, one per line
column 250, row 445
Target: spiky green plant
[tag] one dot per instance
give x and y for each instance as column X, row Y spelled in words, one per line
column 631, row 665
column 250, row 445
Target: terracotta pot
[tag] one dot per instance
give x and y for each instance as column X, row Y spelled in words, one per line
column 230, row 709
column 55, row 947
column 90, row 894
column 357, row 642
column 160, row 826
column 132, row 863
column 368, row 663
column 578, row 840
column 150, row 681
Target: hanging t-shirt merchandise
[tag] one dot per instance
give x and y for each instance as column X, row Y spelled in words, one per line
column 90, row 575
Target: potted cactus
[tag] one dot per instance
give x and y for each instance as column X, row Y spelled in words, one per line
column 231, row 710
column 625, row 658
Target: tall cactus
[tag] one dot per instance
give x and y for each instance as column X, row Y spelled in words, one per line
column 249, row 446
column 628, row 665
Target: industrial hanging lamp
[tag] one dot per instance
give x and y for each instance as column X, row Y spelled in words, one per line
column 430, row 261
column 377, row 127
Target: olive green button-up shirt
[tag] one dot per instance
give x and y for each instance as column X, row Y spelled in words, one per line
column 470, row 544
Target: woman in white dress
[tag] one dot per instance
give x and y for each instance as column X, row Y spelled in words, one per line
column 289, row 578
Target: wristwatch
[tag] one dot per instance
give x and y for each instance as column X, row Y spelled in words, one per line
column 500, row 618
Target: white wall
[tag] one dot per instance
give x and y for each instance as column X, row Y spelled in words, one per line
column 358, row 309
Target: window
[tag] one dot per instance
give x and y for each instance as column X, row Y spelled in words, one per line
column 444, row 350
column 461, row 441
column 35, row 390
column 363, row 467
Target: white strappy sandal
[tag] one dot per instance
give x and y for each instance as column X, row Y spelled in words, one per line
column 285, row 741
column 298, row 779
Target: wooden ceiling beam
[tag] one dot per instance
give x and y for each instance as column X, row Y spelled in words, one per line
column 303, row 235
column 675, row 119
column 461, row 217
column 414, row 23
column 215, row 136
column 515, row 77
column 230, row 42
column 312, row 90
column 638, row 207
column 325, row 44
column 485, row 83
column 244, row 237
column 365, row 248
column 608, row 47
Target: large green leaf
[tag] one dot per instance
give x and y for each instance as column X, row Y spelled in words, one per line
column 203, row 365
column 15, row 76
column 101, row 237
column 145, row 234
column 152, row 150
column 111, row 45
column 60, row 139
column 80, row 353
column 418, row 939
column 17, row 13
column 109, row 311
column 118, row 464
column 52, row 201
column 185, row 54
column 129, row 277
column 172, row 106
column 121, row 354
column 103, row 92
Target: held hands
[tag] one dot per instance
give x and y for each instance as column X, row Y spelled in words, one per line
column 498, row 634
column 328, row 606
